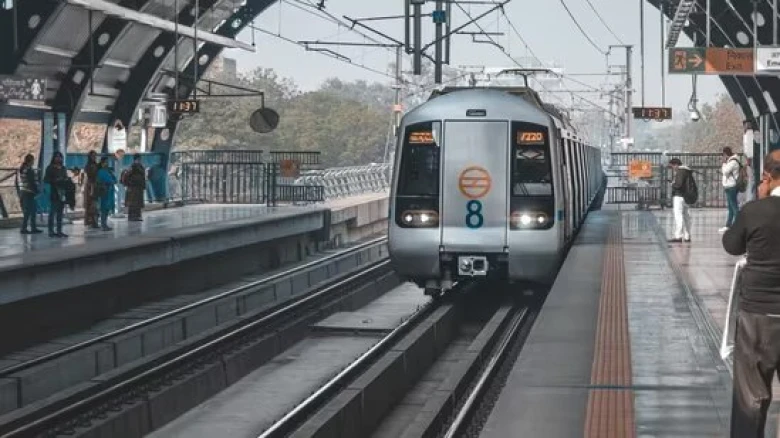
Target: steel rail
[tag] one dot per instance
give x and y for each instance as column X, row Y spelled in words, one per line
column 5, row 372
column 49, row 421
column 460, row 423
column 297, row 416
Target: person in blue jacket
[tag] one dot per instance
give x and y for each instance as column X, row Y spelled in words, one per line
column 105, row 187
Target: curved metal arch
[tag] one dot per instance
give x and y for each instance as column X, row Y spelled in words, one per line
column 71, row 95
column 143, row 73
column 729, row 28
column 697, row 32
column 26, row 36
column 163, row 137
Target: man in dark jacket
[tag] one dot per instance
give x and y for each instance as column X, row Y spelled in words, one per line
column 136, row 185
column 57, row 177
column 90, row 191
column 682, row 218
column 756, row 232
column 28, row 190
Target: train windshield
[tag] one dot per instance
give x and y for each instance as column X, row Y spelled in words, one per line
column 419, row 170
column 531, row 170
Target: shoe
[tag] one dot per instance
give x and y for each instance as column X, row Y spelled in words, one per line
column 688, row 240
column 36, row 231
column 53, row 234
column 106, row 228
column 675, row 240
column 61, row 234
column 24, row 232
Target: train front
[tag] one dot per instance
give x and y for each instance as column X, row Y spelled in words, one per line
column 472, row 191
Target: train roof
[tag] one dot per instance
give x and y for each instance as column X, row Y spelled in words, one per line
column 527, row 93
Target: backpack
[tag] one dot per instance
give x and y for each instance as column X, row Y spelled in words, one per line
column 742, row 178
column 125, row 177
column 690, row 190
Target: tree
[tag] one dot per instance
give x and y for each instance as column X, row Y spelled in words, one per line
column 720, row 125
column 347, row 121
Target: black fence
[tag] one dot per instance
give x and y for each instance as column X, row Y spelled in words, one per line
column 240, row 177
column 656, row 190
column 9, row 199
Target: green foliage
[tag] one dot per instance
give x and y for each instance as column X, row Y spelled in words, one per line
column 348, row 122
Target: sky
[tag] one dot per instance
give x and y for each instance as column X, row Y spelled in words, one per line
column 544, row 25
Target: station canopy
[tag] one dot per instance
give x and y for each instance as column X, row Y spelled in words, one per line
column 131, row 46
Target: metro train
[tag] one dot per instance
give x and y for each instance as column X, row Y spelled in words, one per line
column 488, row 182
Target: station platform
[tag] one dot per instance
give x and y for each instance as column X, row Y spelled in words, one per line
column 173, row 251
column 627, row 343
column 165, row 237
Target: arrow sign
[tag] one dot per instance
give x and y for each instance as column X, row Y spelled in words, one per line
column 696, row 60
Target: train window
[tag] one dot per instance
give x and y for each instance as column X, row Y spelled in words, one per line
column 419, row 167
column 531, row 169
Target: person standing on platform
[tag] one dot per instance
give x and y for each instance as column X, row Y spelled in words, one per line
column 135, row 181
column 682, row 196
column 730, row 171
column 28, row 191
column 756, row 232
column 90, row 191
column 57, row 177
column 105, row 189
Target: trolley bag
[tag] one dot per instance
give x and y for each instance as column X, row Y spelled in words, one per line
column 730, row 330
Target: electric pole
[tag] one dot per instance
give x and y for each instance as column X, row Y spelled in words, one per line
column 629, row 90
column 398, row 85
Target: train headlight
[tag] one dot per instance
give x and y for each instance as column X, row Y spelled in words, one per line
column 420, row 219
column 528, row 220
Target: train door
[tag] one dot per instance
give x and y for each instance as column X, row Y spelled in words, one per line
column 564, row 159
column 571, row 211
column 474, row 190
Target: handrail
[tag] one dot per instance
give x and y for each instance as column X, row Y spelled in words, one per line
column 730, row 327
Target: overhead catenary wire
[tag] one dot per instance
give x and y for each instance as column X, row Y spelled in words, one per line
column 533, row 54
column 476, row 23
column 331, row 54
column 595, row 11
column 585, row 34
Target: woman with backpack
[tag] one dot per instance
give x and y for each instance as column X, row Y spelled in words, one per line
column 733, row 184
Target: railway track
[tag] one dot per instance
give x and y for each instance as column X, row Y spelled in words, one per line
column 435, row 375
column 102, row 401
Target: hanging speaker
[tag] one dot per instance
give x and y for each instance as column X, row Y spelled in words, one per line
column 264, row 120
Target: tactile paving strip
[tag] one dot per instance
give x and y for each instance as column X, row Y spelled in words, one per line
column 610, row 411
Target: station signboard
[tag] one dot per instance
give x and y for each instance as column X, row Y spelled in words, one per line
column 640, row 169
column 712, row 60
column 767, row 59
column 28, row 89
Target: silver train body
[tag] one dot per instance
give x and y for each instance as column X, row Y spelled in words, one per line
column 489, row 183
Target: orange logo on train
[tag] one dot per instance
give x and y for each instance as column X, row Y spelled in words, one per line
column 474, row 182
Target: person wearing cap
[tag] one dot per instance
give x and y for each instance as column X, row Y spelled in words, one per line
column 756, row 232
column 136, row 185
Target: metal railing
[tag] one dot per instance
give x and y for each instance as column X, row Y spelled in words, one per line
column 207, row 177
column 657, row 189
column 341, row 182
column 9, row 194
column 730, row 325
